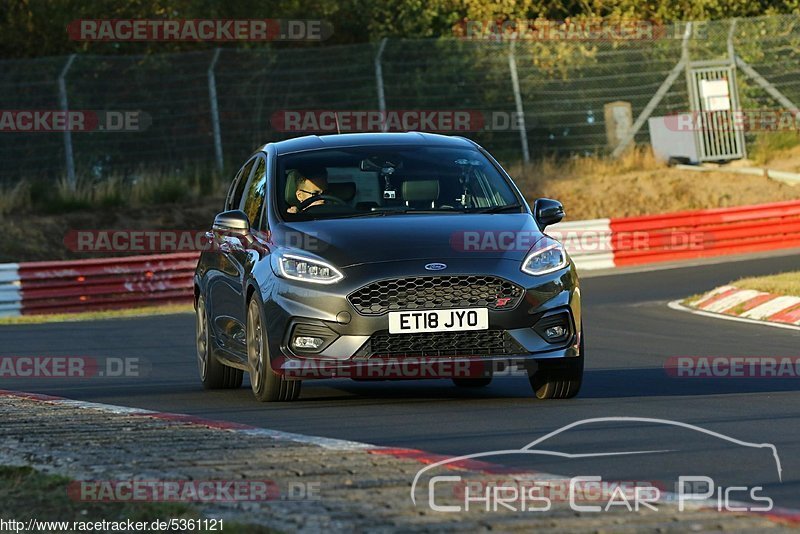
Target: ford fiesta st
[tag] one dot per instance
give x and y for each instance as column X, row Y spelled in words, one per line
column 375, row 256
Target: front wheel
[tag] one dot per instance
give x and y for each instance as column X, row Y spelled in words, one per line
column 559, row 379
column 267, row 385
column 213, row 374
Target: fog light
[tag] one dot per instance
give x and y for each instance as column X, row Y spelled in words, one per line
column 307, row 342
column 555, row 328
column 555, row 332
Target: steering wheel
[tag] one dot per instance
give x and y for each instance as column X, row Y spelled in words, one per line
column 328, row 198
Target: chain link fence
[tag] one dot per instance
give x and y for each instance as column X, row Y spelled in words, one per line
column 213, row 108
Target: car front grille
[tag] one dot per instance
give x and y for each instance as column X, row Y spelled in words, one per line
column 436, row 292
column 432, row 344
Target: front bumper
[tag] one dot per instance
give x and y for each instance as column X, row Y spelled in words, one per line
column 289, row 304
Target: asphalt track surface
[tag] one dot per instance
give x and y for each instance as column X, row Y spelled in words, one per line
column 630, row 334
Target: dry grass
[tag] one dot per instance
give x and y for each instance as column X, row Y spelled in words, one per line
column 637, row 184
column 148, row 311
column 14, row 198
column 777, row 284
column 589, row 187
column 771, row 146
column 143, row 189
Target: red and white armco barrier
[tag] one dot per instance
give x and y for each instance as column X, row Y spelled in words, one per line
column 135, row 281
column 607, row 243
column 96, row 284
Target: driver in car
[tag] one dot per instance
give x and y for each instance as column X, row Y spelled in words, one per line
column 309, row 183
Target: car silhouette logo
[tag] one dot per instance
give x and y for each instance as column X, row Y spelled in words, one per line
column 436, row 267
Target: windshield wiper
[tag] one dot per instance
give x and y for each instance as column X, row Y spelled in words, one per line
column 498, row 209
column 397, row 211
column 375, row 213
column 405, row 211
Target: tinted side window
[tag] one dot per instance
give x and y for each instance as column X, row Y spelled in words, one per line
column 237, row 189
column 255, row 193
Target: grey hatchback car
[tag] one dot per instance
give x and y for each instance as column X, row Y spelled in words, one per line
column 384, row 256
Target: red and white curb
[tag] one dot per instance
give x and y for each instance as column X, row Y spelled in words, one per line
column 746, row 305
column 782, row 515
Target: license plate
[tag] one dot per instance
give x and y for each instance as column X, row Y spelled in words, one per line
column 409, row 322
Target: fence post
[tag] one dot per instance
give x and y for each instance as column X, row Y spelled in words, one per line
column 662, row 91
column 212, row 95
column 523, row 132
column 63, row 102
column 731, row 49
column 379, row 82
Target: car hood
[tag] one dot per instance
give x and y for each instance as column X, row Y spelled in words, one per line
column 346, row 242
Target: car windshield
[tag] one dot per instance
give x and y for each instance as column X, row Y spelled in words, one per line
column 386, row 181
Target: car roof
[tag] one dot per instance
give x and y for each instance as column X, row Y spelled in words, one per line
column 312, row 142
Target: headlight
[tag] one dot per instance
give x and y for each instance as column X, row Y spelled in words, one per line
column 296, row 267
column 547, row 256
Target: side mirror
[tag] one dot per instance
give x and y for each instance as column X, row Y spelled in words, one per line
column 233, row 222
column 547, row 211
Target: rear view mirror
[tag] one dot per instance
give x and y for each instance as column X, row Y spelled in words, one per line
column 232, row 222
column 381, row 164
column 368, row 166
column 547, row 211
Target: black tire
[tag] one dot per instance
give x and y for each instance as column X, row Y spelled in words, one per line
column 472, row 382
column 267, row 385
column 213, row 374
column 559, row 379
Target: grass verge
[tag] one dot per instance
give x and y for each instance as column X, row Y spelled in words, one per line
column 98, row 315
column 145, row 188
column 28, row 494
column 637, row 184
column 777, row 284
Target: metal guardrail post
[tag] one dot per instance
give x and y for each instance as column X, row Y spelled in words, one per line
column 212, row 94
column 662, row 91
column 523, row 132
column 731, row 50
column 64, row 104
column 767, row 86
column 379, row 83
